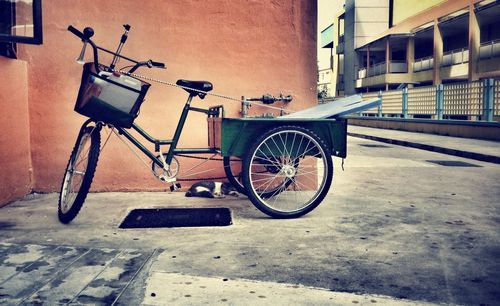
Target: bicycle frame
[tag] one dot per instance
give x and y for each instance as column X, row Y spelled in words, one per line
column 173, row 150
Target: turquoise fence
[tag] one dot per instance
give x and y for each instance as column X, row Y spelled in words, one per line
column 478, row 100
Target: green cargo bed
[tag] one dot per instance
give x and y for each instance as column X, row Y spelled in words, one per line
column 237, row 135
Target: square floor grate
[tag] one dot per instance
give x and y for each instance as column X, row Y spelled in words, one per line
column 177, row 217
column 452, row 163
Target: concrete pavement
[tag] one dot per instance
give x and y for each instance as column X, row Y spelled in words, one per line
column 395, row 229
column 482, row 150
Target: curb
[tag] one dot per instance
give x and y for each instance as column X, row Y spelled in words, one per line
column 421, row 146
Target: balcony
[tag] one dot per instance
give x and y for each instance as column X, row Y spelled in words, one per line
column 377, row 69
column 424, row 63
column 455, row 57
column 381, row 68
column 489, row 49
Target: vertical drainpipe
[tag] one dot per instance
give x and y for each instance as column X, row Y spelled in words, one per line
column 439, row 101
column 488, row 99
column 405, row 103
column 379, row 109
column 368, row 61
column 387, row 60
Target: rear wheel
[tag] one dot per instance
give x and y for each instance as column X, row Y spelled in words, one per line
column 79, row 173
column 233, row 168
column 299, row 172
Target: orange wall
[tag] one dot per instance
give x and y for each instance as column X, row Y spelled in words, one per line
column 242, row 47
column 15, row 163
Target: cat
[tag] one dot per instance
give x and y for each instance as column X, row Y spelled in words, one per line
column 210, row 189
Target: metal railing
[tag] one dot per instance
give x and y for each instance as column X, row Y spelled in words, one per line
column 463, row 99
column 398, row 67
column 489, row 49
column 377, row 69
column 392, row 102
column 421, row 101
column 362, row 73
column 455, row 57
column 381, row 68
column 479, row 100
column 371, row 95
column 424, row 63
column 496, row 98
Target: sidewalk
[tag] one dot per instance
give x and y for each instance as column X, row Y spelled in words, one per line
column 483, row 150
column 395, row 229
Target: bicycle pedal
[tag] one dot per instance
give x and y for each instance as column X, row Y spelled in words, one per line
column 175, row 187
column 166, row 179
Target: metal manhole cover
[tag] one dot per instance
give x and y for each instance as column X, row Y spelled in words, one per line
column 369, row 145
column 177, row 217
column 452, row 163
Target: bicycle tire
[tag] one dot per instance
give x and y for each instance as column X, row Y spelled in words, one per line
column 71, row 200
column 234, row 179
column 298, row 175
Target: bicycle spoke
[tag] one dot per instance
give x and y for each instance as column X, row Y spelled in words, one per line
column 300, row 178
column 277, row 147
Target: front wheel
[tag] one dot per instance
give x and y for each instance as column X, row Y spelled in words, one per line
column 300, row 172
column 79, row 173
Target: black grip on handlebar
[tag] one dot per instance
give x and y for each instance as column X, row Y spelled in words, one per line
column 75, row 31
column 158, row 64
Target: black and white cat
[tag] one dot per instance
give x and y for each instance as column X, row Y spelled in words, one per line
column 210, row 189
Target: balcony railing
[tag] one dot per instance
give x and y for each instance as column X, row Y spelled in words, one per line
column 398, row 67
column 377, row 69
column 362, row 73
column 381, row 68
column 424, row 63
column 489, row 49
column 455, row 57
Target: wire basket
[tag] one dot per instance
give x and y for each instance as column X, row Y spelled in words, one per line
column 110, row 97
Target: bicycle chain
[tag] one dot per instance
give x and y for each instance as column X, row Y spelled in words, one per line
column 199, row 91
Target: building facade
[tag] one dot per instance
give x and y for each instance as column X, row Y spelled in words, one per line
column 442, row 42
column 361, row 21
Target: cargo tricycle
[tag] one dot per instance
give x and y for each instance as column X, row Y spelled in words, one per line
column 283, row 164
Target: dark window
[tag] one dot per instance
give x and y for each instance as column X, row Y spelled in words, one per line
column 391, row 13
column 20, row 22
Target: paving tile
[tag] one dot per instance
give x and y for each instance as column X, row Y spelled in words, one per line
column 114, row 279
column 68, row 284
column 15, row 258
column 36, row 275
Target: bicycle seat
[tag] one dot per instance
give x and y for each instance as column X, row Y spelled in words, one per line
column 198, row 85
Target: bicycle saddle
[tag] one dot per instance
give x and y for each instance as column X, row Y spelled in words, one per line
column 198, row 85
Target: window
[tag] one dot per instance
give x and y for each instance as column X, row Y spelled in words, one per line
column 20, row 22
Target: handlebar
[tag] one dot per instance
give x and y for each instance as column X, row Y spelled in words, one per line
column 88, row 32
column 75, row 31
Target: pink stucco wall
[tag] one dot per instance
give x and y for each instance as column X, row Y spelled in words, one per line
column 15, row 161
column 242, row 47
